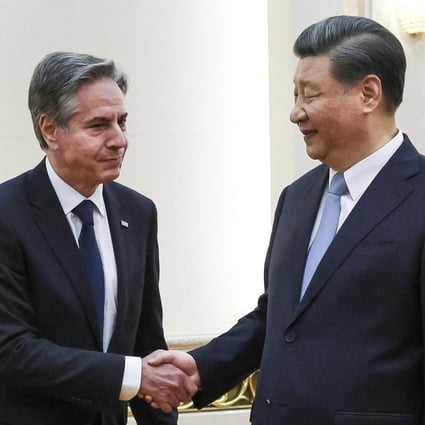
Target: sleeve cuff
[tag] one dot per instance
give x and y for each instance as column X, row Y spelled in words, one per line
column 131, row 378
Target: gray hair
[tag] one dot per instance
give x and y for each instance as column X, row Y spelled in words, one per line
column 56, row 81
column 357, row 46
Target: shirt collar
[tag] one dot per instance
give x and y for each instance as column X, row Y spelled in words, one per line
column 360, row 175
column 68, row 197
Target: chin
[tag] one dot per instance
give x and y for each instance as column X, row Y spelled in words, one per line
column 312, row 154
column 109, row 177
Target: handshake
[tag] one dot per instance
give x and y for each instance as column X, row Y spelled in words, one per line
column 169, row 378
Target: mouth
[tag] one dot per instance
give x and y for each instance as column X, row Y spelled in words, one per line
column 308, row 134
column 114, row 159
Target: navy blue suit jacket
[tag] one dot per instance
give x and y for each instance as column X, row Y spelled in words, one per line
column 351, row 352
column 52, row 369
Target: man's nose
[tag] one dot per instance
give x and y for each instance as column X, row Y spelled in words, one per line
column 298, row 113
column 118, row 136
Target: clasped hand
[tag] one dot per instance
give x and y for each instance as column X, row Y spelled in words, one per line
column 169, row 378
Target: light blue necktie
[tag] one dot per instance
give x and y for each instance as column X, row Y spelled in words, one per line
column 327, row 229
column 91, row 256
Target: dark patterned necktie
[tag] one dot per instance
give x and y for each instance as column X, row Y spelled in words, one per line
column 91, row 256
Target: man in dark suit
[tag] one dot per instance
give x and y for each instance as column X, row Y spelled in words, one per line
column 63, row 362
column 345, row 347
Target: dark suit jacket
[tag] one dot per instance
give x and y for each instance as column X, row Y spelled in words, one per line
column 351, row 352
column 52, row 370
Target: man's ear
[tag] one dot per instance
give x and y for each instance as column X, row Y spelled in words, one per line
column 371, row 88
column 48, row 129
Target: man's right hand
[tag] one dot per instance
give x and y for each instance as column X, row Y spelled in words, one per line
column 168, row 378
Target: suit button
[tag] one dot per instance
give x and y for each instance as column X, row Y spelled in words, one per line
column 268, row 402
column 290, row 336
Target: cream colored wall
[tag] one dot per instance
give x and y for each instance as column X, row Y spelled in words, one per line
column 198, row 127
column 411, row 114
column 286, row 20
column 211, row 142
column 226, row 417
column 288, row 159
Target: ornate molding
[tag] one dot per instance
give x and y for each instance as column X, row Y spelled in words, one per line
column 239, row 397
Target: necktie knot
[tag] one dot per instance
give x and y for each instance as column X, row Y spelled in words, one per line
column 84, row 211
column 338, row 186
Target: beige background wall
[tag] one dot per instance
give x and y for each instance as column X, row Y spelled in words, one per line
column 211, row 143
column 411, row 115
column 198, row 126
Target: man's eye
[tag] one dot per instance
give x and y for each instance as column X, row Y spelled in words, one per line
column 97, row 125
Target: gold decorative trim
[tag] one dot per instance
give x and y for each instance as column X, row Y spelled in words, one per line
column 239, row 397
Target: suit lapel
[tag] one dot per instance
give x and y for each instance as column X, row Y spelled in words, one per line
column 293, row 225
column 309, row 201
column 385, row 193
column 120, row 227
column 52, row 222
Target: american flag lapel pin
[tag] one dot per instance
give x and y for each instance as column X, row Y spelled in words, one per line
column 124, row 223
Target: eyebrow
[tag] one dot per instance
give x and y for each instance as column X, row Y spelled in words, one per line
column 104, row 118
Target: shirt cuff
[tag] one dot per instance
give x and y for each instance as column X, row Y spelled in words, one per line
column 131, row 378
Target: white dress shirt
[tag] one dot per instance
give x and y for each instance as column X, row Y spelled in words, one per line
column 69, row 198
column 358, row 178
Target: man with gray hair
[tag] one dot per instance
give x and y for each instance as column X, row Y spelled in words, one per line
column 79, row 297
